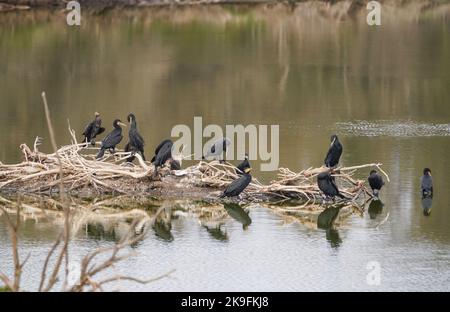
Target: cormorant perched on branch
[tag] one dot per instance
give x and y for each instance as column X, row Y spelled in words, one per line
column 163, row 153
column 112, row 139
column 334, row 152
column 328, row 186
column 136, row 142
column 426, row 183
column 239, row 185
column 93, row 129
column 376, row 182
column 217, row 149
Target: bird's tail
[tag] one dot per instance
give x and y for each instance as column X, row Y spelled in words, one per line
column 222, row 195
column 101, row 153
column 342, row 196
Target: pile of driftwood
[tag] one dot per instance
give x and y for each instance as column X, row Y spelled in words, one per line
column 81, row 173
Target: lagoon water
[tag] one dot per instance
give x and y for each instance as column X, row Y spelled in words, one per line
column 385, row 91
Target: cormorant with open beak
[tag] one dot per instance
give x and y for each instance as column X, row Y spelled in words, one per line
column 93, row 129
column 112, row 139
column 426, row 183
column 217, row 149
column 376, row 182
column 136, row 142
column 334, row 152
column 328, row 185
column 239, row 185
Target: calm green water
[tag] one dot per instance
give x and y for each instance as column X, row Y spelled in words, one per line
column 384, row 90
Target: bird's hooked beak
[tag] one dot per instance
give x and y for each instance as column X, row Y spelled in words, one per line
column 122, row 124
column 130, row 119
column 247, row 170
column 97, row 114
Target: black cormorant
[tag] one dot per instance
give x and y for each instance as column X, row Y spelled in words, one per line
column 376, row 182
column 239, row 185
column 334, row 152
column 163, row 153
column 136, row 143
column 93, row 129
column 245, row 164
column 217, row 149
column 328, row 186
column 426, row 183
column 112, row 139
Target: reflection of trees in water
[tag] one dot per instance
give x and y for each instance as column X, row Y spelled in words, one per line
column 194, row 56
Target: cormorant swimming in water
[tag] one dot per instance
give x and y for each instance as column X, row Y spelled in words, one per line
column 136, row 143
column 93, row 129
column 239, row 185
column 328, row 186
column 245, row 164
column 112, row 139
column 334, row 152
column 218, row 148
column 376, row 182
column 426, row 183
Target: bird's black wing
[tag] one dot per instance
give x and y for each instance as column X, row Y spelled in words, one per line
column 376, row 182
column 334, row 186
column 136, row 140
column 237, row 186
column 112, row 139
column 100, row 130
column 88, row 130
column 161, row 145
column 328, row 157
column 164, row 154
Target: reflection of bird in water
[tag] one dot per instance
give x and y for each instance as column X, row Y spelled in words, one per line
column 427, row 202
column 217, row 149
column 328, row 186
column 376, row 182
column 97, row 231
column 326, row 220
column 375, row 208
column 112, row 139
column 332, row 235
column 426, row 183
column 136, row 142
column 237, row 213
column 163, row 224
column 162, row 230
column 217, row 233
column 334, row 152
column 93, row 129
column 244, row 164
